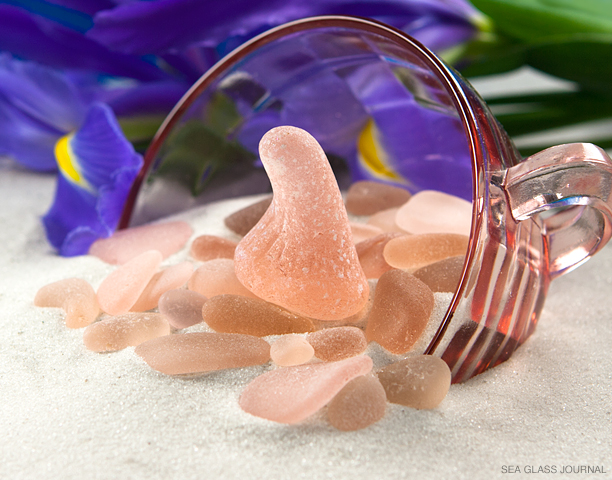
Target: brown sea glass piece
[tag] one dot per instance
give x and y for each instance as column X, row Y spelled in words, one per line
column 242, row 221
column 209, row 247
column 420, row 382
column 430, row 211
column 217, row 277
column 338, row 343
column 182, row 308
column 292, row 394
column 290, row 350
column 442, row 276
column 358, row 405
column 168, row 279
column 370, row 254
column 167, row 238
column 120, row 290
column 116, row 333
column 415, row 251
column 400, row 312
column 252, row 316
column 367, row 197
column 300, row 255
column 201, row 352
column 75, row 296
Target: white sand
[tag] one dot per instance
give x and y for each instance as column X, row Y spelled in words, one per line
column 66, row 413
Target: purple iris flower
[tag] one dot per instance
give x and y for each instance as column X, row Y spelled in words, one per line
column 47, row 125
column 67, row 112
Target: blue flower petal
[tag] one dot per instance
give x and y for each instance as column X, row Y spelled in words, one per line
column 164, row 25
column 98, row 166
column 36, row 38
column 146, row 98
column 85, row 6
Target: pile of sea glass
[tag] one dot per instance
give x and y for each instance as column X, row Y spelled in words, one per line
column 306, row 289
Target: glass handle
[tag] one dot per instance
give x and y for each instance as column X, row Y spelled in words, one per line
column 567, row 190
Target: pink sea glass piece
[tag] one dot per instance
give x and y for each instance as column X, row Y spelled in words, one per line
column 201, row 352
column 182, row 308
column 401, row 310
column 116, row 333
column 217, row 277
column 75, row 295
column 290, row 350
column 291, row 394
column 300, row 255
column 120, row 290
column 420, row 382
column 168, row 279
column 252, row 316
column 367, row 197
column 358, row 405
column 209, row 247
column 431, row 211
column 242, row 221
column 362, row 231
column 385, row 220
column 338, row 343
column 167, row 238
column 416, row 251
column 370, row 254
column 442, row 276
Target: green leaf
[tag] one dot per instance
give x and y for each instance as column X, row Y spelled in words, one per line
column 221, row 115
column 140, row 128
column 584, row 59
column 533, row 20
column 196, row 153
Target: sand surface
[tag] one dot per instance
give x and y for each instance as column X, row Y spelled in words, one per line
column 67, row 413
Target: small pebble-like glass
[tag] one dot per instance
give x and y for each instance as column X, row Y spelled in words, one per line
column 252, row 316
column 290, row 350
column 170, row 278
column 209, row 247
column 116, row 333
column 358, row 405
column 167, row 238
column 370, row 254
column 217, row 277
column 367, row 197
column 442, row 276
column 201, row 352
column 415, row 251
column 242, row 221
column 420, row 382
column 385, row 220
column 75, row 296
column 400, row 312
column 338, row 343
column 363, row 231
column 182, row 308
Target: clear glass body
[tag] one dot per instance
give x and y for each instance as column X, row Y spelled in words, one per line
column 391, row 110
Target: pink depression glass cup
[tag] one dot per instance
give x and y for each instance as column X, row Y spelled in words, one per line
column 392, row 110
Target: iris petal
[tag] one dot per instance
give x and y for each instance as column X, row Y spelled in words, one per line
column 95, row 179
column 42, row 40
column 163, row 25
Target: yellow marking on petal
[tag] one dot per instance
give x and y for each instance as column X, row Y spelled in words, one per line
column 373, row 156
column 68, row 162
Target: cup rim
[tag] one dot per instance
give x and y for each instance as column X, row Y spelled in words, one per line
column 455, row 89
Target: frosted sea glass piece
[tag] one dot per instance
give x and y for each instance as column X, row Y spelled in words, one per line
column 300, row 255
column 338, row 343
column 201, row 352
column 415, row 251
column 420, row 382
column 75, row 296
column 242, row 221
column 290, row 350
column 128, row 330
column 182, row 308
column 252, row 316
column 167, row 238
column 362, row 231
column 358, row 405
column 217, row 277
column 209, row 247
column 370, row 254
column 385, row 220
column 120, row 290
column 442, row 276
column 430, row 211
column 168, row 279
column 367, row 197
column 292, row 394
column 400, row 312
